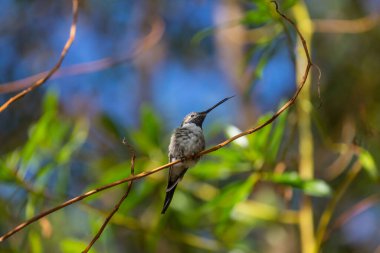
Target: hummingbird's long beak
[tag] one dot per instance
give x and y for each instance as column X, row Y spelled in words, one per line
column 216, row 105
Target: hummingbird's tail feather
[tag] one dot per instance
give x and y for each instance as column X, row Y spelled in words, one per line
column 172, row 184
column 168, row 198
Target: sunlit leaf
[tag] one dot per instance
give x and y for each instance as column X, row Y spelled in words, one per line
column 318, row 188
column 231, row 131
column 73, row 245
column 35, row 242
column 261, row 14
column 256, row 17
column 368, row 163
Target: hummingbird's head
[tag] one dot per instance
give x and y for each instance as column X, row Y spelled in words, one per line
column 197, row 118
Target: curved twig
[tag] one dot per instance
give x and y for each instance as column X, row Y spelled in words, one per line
column 290, row 102
column 65, row 49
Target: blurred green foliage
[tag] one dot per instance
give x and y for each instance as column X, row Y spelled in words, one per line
column 244, row 197
column 39, row 172
column 204, row 211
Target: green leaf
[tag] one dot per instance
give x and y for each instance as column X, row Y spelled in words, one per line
column 287, row 4
column 30, row 208
column 50, row 103
column 140, row 192
column 261, row 14
column 368, row 163
column 222, row 206
column 35, row 242
column 313, row 187
column 77, row 138
column 262, row 63
column 201, row 35
column 72, row 245
column 111, row 126
column 256, row 17
column 318, row 188
column 286, row 178
column 277, row 136
column 218, row 170
column 149, row 137
column 259, row 140
column 151, row 125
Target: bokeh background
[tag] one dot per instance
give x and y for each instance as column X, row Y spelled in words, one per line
column 307, row 183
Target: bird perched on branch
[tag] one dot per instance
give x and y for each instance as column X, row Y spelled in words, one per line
column 185, row 142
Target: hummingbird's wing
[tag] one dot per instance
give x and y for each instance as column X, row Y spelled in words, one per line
column 175, row 177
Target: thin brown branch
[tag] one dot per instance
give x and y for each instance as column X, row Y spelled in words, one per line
column 290, row 102
column 141, row 46
column 83, row 196
column 117, row 206
column 65, row 49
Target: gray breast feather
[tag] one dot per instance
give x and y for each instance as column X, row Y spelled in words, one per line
column 185, row 142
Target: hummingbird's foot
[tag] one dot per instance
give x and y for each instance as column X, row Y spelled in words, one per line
column 194, row 156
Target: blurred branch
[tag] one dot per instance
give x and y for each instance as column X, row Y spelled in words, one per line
column 359, row 25
column 46, row 77
column 141, row 46
column 305, row 135
column 116, row 208
column 328, row 212
column 28, row 186
column 354, row 211
column 196, row 241
column 290, row 102
column 265, row 212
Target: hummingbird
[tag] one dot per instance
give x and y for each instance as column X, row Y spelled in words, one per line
column 185, row 142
